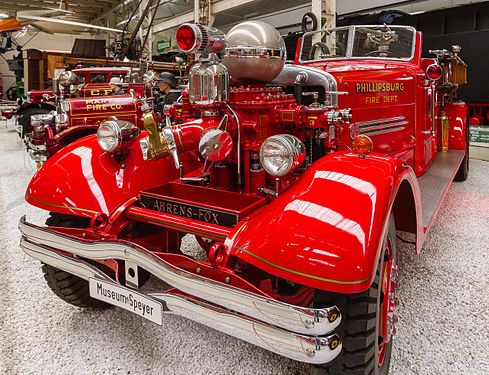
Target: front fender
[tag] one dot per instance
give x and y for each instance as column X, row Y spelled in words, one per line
column 50, row 106
column 83, row 180
column 326, row 231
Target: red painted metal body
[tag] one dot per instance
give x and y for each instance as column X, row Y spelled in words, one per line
column 325, row 228
column 86, row 113
column 90, row 111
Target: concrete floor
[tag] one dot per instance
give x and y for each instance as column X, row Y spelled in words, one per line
column 443, row 328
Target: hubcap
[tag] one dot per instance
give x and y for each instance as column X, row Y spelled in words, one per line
column 388, row 318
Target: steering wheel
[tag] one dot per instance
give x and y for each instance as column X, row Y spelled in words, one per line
column 378, row 52
column 323, row 46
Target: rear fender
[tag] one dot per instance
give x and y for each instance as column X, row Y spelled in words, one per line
column 326, row 231
column 83, row 180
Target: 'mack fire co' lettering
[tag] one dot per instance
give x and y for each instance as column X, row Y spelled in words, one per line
column 375, row 87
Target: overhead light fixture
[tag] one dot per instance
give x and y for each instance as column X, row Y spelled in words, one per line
column 417, row 12
column 125, row 21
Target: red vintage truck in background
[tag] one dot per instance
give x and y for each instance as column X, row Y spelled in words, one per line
column 293, row 177
column 93, row 81
column 80, row 100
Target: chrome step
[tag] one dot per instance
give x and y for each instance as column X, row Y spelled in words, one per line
column 434, row 184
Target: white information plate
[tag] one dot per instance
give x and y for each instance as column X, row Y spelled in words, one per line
column 128, row 299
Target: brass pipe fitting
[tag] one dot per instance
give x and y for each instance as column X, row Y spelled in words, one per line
column 157, row 145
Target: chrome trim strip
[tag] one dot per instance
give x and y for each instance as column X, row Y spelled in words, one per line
column 310, row 349
column 380, row 121
column 378, row 126
column 384, row 131
column 298, row 319
column 374, row 128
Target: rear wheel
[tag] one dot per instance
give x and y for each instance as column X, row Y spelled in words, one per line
column 368, row 319
column 463, row 170
column 68, row 287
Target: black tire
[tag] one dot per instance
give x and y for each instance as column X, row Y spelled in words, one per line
column 359, row 328
column 25, row 119
column 68, row 287
column 11, row 93
column 463, row 170
column 322, row 46
column 304, row 22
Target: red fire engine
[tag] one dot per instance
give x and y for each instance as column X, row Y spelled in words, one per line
column 93, row 81
column 79, row 102
column 295, row 202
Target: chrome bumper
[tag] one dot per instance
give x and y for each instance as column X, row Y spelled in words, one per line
column 38, row 153
column 294, row 332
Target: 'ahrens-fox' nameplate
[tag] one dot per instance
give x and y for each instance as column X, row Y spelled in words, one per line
column 208, row 215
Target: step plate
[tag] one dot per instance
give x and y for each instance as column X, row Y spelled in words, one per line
column 435, row 182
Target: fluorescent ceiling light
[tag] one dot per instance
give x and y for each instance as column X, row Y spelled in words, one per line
column 122, row 22
column 417, row 12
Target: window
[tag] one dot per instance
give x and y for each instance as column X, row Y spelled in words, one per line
column 98, row 78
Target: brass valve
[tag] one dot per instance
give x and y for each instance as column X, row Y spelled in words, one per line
column 157, row 145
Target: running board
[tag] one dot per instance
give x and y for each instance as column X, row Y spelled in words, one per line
column 434, row 184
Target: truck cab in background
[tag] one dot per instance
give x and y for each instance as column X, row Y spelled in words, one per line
column 93, row 81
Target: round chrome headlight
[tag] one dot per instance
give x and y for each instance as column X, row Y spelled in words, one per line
column 282, row 154
column 115, row 135
column 66, row 79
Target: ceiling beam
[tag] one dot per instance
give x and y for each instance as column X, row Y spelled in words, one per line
column 120, row 4
column 217, row 7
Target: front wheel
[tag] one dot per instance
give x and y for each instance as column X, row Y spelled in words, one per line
column 68, row 287
column 368, row 318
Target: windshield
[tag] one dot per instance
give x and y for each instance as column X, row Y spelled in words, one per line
column 384, row 42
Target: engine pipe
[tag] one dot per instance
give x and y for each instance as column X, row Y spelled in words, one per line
column 293, row 75
column 186, row 136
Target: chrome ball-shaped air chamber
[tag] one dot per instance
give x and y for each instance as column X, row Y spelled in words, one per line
column 255, row 52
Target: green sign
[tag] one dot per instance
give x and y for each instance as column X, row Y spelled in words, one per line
column 479, row 134
column 163, row 45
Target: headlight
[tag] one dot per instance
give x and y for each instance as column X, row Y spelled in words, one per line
column 39, row 121
column 115, row 136
column 65, row 105
column 66, row 79
column 282, row 154
column 61, row 118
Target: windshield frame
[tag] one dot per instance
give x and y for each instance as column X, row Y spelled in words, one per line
column 349, row 49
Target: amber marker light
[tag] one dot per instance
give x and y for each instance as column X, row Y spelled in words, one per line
column 362, row 145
